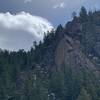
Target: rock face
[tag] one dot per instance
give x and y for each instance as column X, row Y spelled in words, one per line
column 68, row 52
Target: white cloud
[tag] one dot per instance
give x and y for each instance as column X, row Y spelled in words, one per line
column 27, row 22
column 17, row 28
column 27, row 1
column 60, row 5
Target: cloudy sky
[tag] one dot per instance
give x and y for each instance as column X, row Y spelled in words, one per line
column 23, row 21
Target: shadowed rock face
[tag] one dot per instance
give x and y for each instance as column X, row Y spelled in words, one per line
column 68, row 52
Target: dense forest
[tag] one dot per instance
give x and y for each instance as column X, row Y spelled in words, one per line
column 37, row 74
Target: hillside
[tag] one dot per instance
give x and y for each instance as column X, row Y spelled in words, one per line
column 64, row 66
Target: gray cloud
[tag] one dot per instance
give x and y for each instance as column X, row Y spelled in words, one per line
column 27, row 1
column 60, row 5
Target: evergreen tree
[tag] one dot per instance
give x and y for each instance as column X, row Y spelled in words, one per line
column 84, row 95
column 83, row 14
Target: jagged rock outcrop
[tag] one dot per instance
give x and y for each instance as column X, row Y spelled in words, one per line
column 69, row 52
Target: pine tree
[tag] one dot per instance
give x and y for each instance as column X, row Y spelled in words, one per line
column 84, row 95
column 83, row 15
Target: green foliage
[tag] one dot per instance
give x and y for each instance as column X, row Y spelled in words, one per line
column 84, row 95
column 83, row 14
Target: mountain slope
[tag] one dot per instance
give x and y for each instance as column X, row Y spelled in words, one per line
column 65, row 66
column 69, row 53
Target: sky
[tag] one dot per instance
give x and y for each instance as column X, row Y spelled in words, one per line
column 25, row 21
